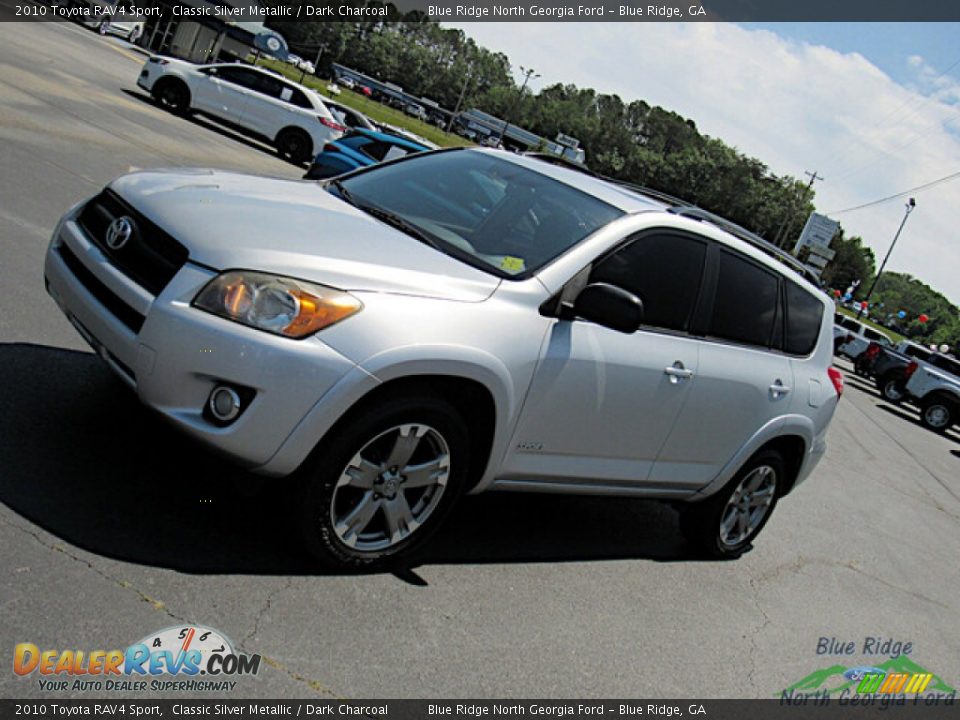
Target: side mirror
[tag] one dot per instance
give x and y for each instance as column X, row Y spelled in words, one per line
column 609, row 306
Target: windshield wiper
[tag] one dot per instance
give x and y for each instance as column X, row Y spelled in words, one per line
column 344, row 193
column 402, row 224
column 390, row 218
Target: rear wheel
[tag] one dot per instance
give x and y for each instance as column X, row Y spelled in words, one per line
column 938, row 414
column 381, row 485
column 725, row 524
column 172, row 95
column 295, row 145
column 891, row 387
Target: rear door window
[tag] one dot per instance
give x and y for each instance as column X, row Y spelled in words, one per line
column 746, row 302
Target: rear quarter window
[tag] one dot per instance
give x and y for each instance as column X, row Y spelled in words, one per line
column 804, row 316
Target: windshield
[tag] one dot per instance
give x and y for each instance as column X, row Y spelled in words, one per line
column 490, row 212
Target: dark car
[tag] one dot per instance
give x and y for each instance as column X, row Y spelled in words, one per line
column 359, row 149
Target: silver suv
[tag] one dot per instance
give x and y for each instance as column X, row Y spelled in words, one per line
column 457, row 321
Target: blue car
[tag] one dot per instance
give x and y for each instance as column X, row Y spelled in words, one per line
column 358, row 149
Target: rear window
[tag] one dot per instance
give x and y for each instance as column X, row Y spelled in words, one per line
column 852, row 325
column 804, row 314
column 917, row 352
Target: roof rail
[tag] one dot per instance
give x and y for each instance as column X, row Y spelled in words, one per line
column 698, row 213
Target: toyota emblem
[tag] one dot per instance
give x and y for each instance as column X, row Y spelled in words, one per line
column 119, row 232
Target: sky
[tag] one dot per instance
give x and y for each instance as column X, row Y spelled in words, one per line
column 873, row 108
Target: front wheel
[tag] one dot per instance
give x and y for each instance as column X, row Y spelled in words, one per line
column 380, row 486
column 938, row 414
column 725, row 524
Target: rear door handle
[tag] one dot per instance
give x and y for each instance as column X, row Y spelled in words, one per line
column 678, row 372
column 778, row 389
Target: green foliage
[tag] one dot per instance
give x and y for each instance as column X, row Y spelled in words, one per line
column 900, row 291
column 853, row 261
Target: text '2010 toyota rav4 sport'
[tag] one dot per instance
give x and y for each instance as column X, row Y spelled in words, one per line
column 458, row 321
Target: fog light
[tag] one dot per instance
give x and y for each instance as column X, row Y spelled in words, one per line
column 224, row 403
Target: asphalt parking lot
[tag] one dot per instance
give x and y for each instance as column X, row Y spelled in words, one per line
column 112, row 526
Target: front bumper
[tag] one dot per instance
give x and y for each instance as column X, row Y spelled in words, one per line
column 173, row 355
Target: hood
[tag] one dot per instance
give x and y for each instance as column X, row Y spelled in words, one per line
column 295, row 228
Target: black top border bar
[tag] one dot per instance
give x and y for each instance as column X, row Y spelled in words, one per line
column 520, row 10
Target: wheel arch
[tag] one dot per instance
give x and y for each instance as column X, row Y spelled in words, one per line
column 479, row 389
column 792, row 436
column 472, row 400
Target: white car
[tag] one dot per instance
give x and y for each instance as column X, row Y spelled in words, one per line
column 347, row 82
column 291, row 117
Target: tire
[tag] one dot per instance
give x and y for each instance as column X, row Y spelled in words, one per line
column 295, row 145
column 891, row 388
column 707, row 524
column 172, row 95
column 357, row 508
column 938, row 414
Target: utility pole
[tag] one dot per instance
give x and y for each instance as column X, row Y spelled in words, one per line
column 787, row 224
column 463, row 91
column 911, row 204
column 527, row 75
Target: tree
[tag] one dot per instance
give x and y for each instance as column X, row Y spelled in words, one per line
column 853, row 261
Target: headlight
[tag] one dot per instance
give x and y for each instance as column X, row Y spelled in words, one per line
column 279, row 305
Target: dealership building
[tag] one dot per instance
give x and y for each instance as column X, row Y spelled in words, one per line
column 200, row 38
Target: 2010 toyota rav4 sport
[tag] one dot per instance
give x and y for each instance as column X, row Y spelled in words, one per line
column 463, row 320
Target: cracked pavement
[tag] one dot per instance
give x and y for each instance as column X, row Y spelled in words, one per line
column 113, row 526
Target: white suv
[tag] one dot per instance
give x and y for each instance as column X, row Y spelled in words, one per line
column 291, row 117
column 456, row 321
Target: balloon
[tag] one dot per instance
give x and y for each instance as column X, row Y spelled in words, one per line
column 864, row 304
column 846, row 298
column 901, row 314
column 836, row 293
column 923, row 318
column 944, row 348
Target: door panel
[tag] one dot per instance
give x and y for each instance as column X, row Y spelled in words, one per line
column 730, row 400
column 601, row 404
column 743, row 383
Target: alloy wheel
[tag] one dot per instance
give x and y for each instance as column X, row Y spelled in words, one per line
column 390, row 487
column 748, row 505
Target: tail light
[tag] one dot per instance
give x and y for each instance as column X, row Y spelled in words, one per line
column 331, row 124
column 910, row 370
column 873, row 350
column 836, row 377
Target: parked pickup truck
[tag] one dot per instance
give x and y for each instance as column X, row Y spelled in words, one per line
column 886, row 366
column 937, row 393
column 851, row 338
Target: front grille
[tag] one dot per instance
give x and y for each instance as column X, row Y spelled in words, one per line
column 123, row 312
column 150, row 257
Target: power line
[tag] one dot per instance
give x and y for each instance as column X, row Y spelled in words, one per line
column 890, row 115
column 918, row 188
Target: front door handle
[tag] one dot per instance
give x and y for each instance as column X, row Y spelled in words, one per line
column 778, row 389
column 678, row 372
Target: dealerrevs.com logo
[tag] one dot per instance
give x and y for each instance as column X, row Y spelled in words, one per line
column 183, row 658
